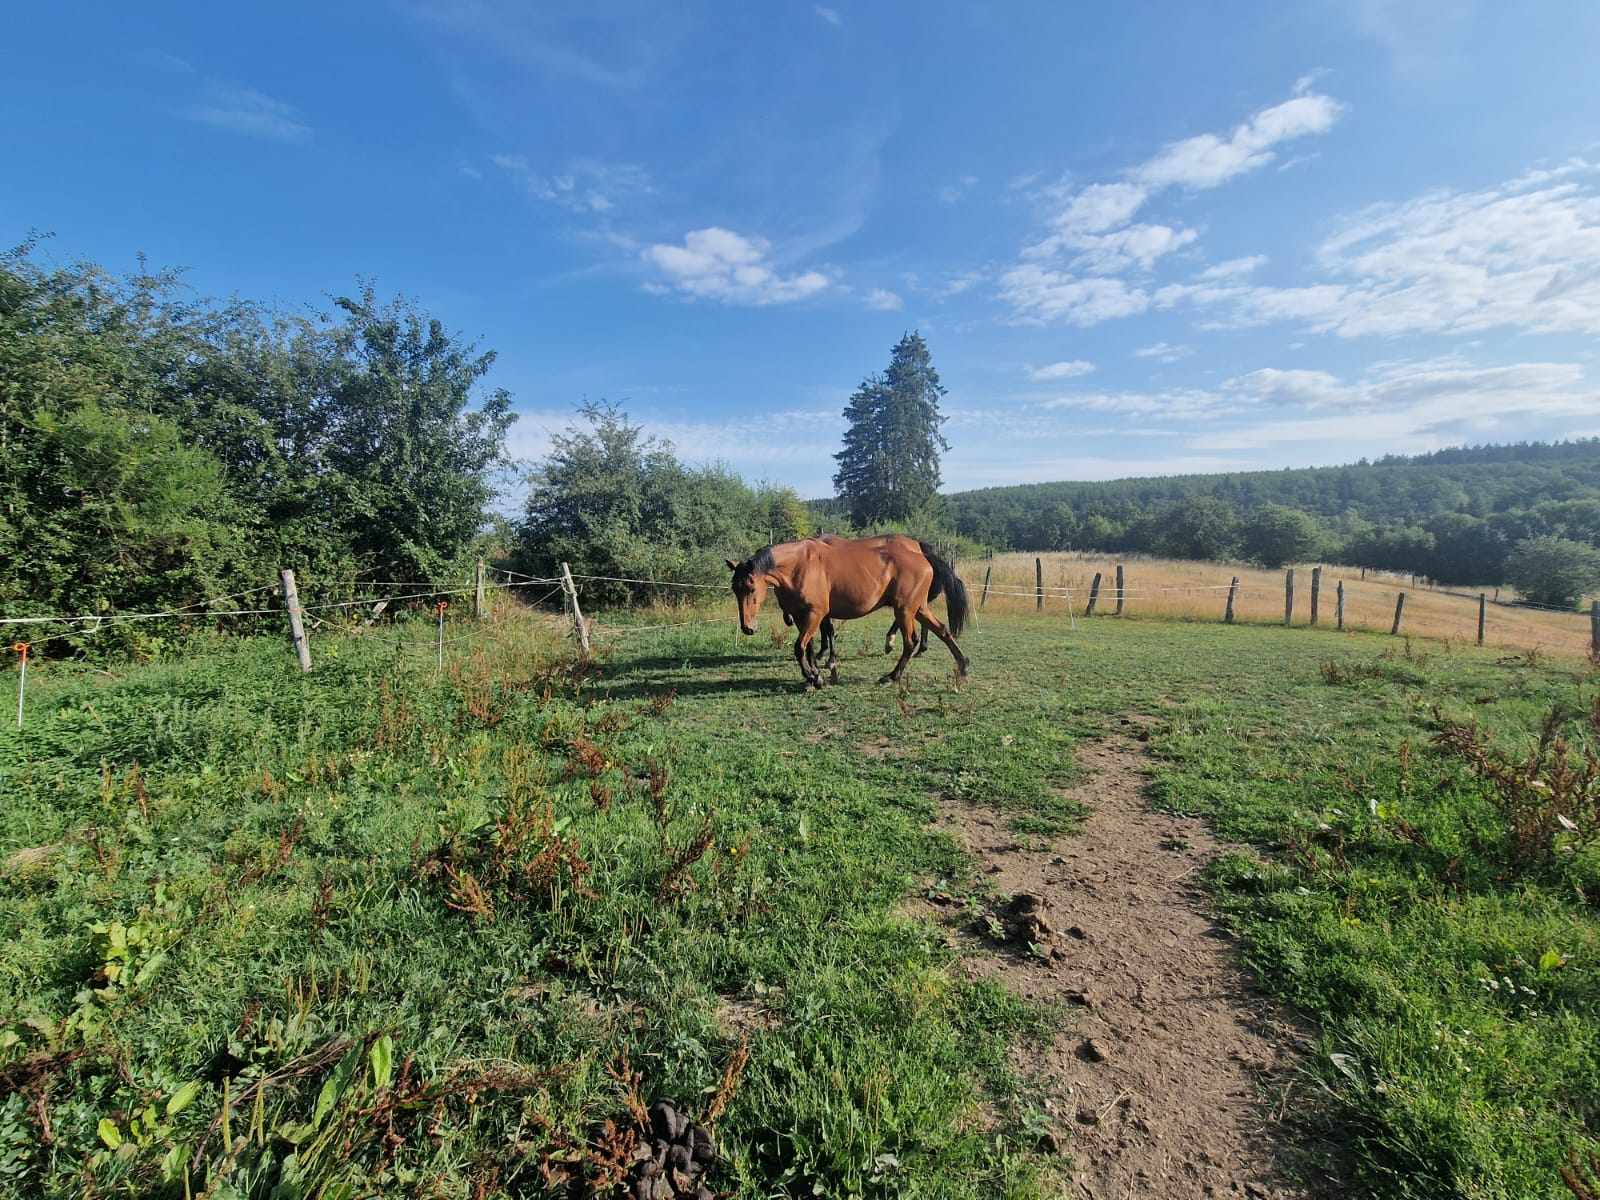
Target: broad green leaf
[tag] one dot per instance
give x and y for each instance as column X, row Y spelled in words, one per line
column 109, row 1134
column 336, row 1086
column 184, row 1096
column 1550, row 960
column 382, row 1057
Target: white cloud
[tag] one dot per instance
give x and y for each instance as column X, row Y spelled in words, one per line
column 830, row 15
column 1038, row 295
column 247, row 111
column 585, row 185
column 1439, row 399
column 1233, row 268
column 1061, row 370
column 1100, row 206
column 1163, row 352
column 1208, row 161
column 1092, row 231
column 884, row 300
column 718, row 264
column 1523, row 255
column 1110, row 253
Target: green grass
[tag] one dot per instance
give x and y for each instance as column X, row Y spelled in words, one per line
column 278, row 856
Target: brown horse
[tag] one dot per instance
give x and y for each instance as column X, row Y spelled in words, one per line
column 825, row 640
column 816, row 580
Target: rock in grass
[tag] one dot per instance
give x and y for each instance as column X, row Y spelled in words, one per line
column 1093, row 1050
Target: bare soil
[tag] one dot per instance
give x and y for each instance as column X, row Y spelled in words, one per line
column 1175, row 1076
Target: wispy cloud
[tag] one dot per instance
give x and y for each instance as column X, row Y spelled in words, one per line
column 584, row 185
column 1164, row 352
column 718, row 264
column 955, row 191
column 160, row 60
column 1039, row 296
column 1404, row 402
column 544, row 38
column 247, row 111
column 884, row 300
column 1523, row 255
column 830, row 15
column 1061, row 370
column 1071, row 273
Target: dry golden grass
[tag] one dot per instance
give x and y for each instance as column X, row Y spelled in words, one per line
column 1198, row 591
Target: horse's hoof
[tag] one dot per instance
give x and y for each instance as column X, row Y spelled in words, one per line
column 886, row 678
column 833, row 677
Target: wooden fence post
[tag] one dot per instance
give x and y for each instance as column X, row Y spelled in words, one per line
column 438, row 636
column 22, row 676
column 578, row 623
column 1120, row 583
column 1483, row 613
column 477, row 598
column 1227, row 613
column 297, row 629
column 1338, row 604
column 1094, row 594
column 1288, row 596
column 1594, row 630
column 1038, row 583
column 1316, row 591
column 1399, row 608
column 987, row 571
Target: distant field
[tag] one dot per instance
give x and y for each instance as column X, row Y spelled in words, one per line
column 1180, row 590
column 407, row 933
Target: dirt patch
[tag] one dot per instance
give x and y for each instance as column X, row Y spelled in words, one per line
column 1175, row 1075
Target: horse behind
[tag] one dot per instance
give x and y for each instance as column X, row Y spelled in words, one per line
column 840, row 579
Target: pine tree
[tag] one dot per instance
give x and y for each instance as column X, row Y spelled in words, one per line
column 889, row 467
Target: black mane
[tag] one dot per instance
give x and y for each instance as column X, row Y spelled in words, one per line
column 761, row 561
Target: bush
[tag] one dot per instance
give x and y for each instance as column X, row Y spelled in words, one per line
column 1552, row 570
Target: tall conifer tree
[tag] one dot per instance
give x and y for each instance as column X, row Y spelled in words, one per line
column 889, row 466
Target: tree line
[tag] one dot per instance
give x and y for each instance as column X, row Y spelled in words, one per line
column 1457, row 516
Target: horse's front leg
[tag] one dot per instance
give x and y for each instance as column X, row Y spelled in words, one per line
column 807, row 624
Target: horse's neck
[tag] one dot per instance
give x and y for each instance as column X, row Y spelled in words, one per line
column 788, row 564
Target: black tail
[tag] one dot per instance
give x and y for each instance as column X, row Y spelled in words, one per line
column 955, row 592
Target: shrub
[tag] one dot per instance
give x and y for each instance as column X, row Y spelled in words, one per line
column 1547, row 801
column 1552, row 570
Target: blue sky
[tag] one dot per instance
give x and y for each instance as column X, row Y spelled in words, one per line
column 1139, row 238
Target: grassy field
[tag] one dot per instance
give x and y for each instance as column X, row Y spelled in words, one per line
column 1174, row 590
column 379, row 930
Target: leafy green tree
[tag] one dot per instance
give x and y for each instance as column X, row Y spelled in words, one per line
column 1203, row 528
column 786, row 515
column 1275, row 534
column 1552, row 570
column 889, row 466
column 611, row 500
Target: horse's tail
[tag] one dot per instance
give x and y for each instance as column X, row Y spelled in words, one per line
column 947, row 581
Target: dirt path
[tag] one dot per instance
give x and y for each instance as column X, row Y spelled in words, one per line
column 1172, row 1081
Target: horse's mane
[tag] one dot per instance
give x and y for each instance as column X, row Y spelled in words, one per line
column 762, row 561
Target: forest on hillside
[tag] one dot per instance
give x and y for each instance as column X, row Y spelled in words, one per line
column 1455, row 515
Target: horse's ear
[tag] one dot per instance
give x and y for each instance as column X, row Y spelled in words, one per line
column 732, row 566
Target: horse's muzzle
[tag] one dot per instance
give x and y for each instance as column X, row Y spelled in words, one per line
column 746, row 629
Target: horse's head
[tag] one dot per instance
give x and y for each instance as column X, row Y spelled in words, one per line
column 749, row 589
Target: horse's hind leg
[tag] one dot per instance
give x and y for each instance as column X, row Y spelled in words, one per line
column 908, row 636
column 929, row 621
column 888, row 636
